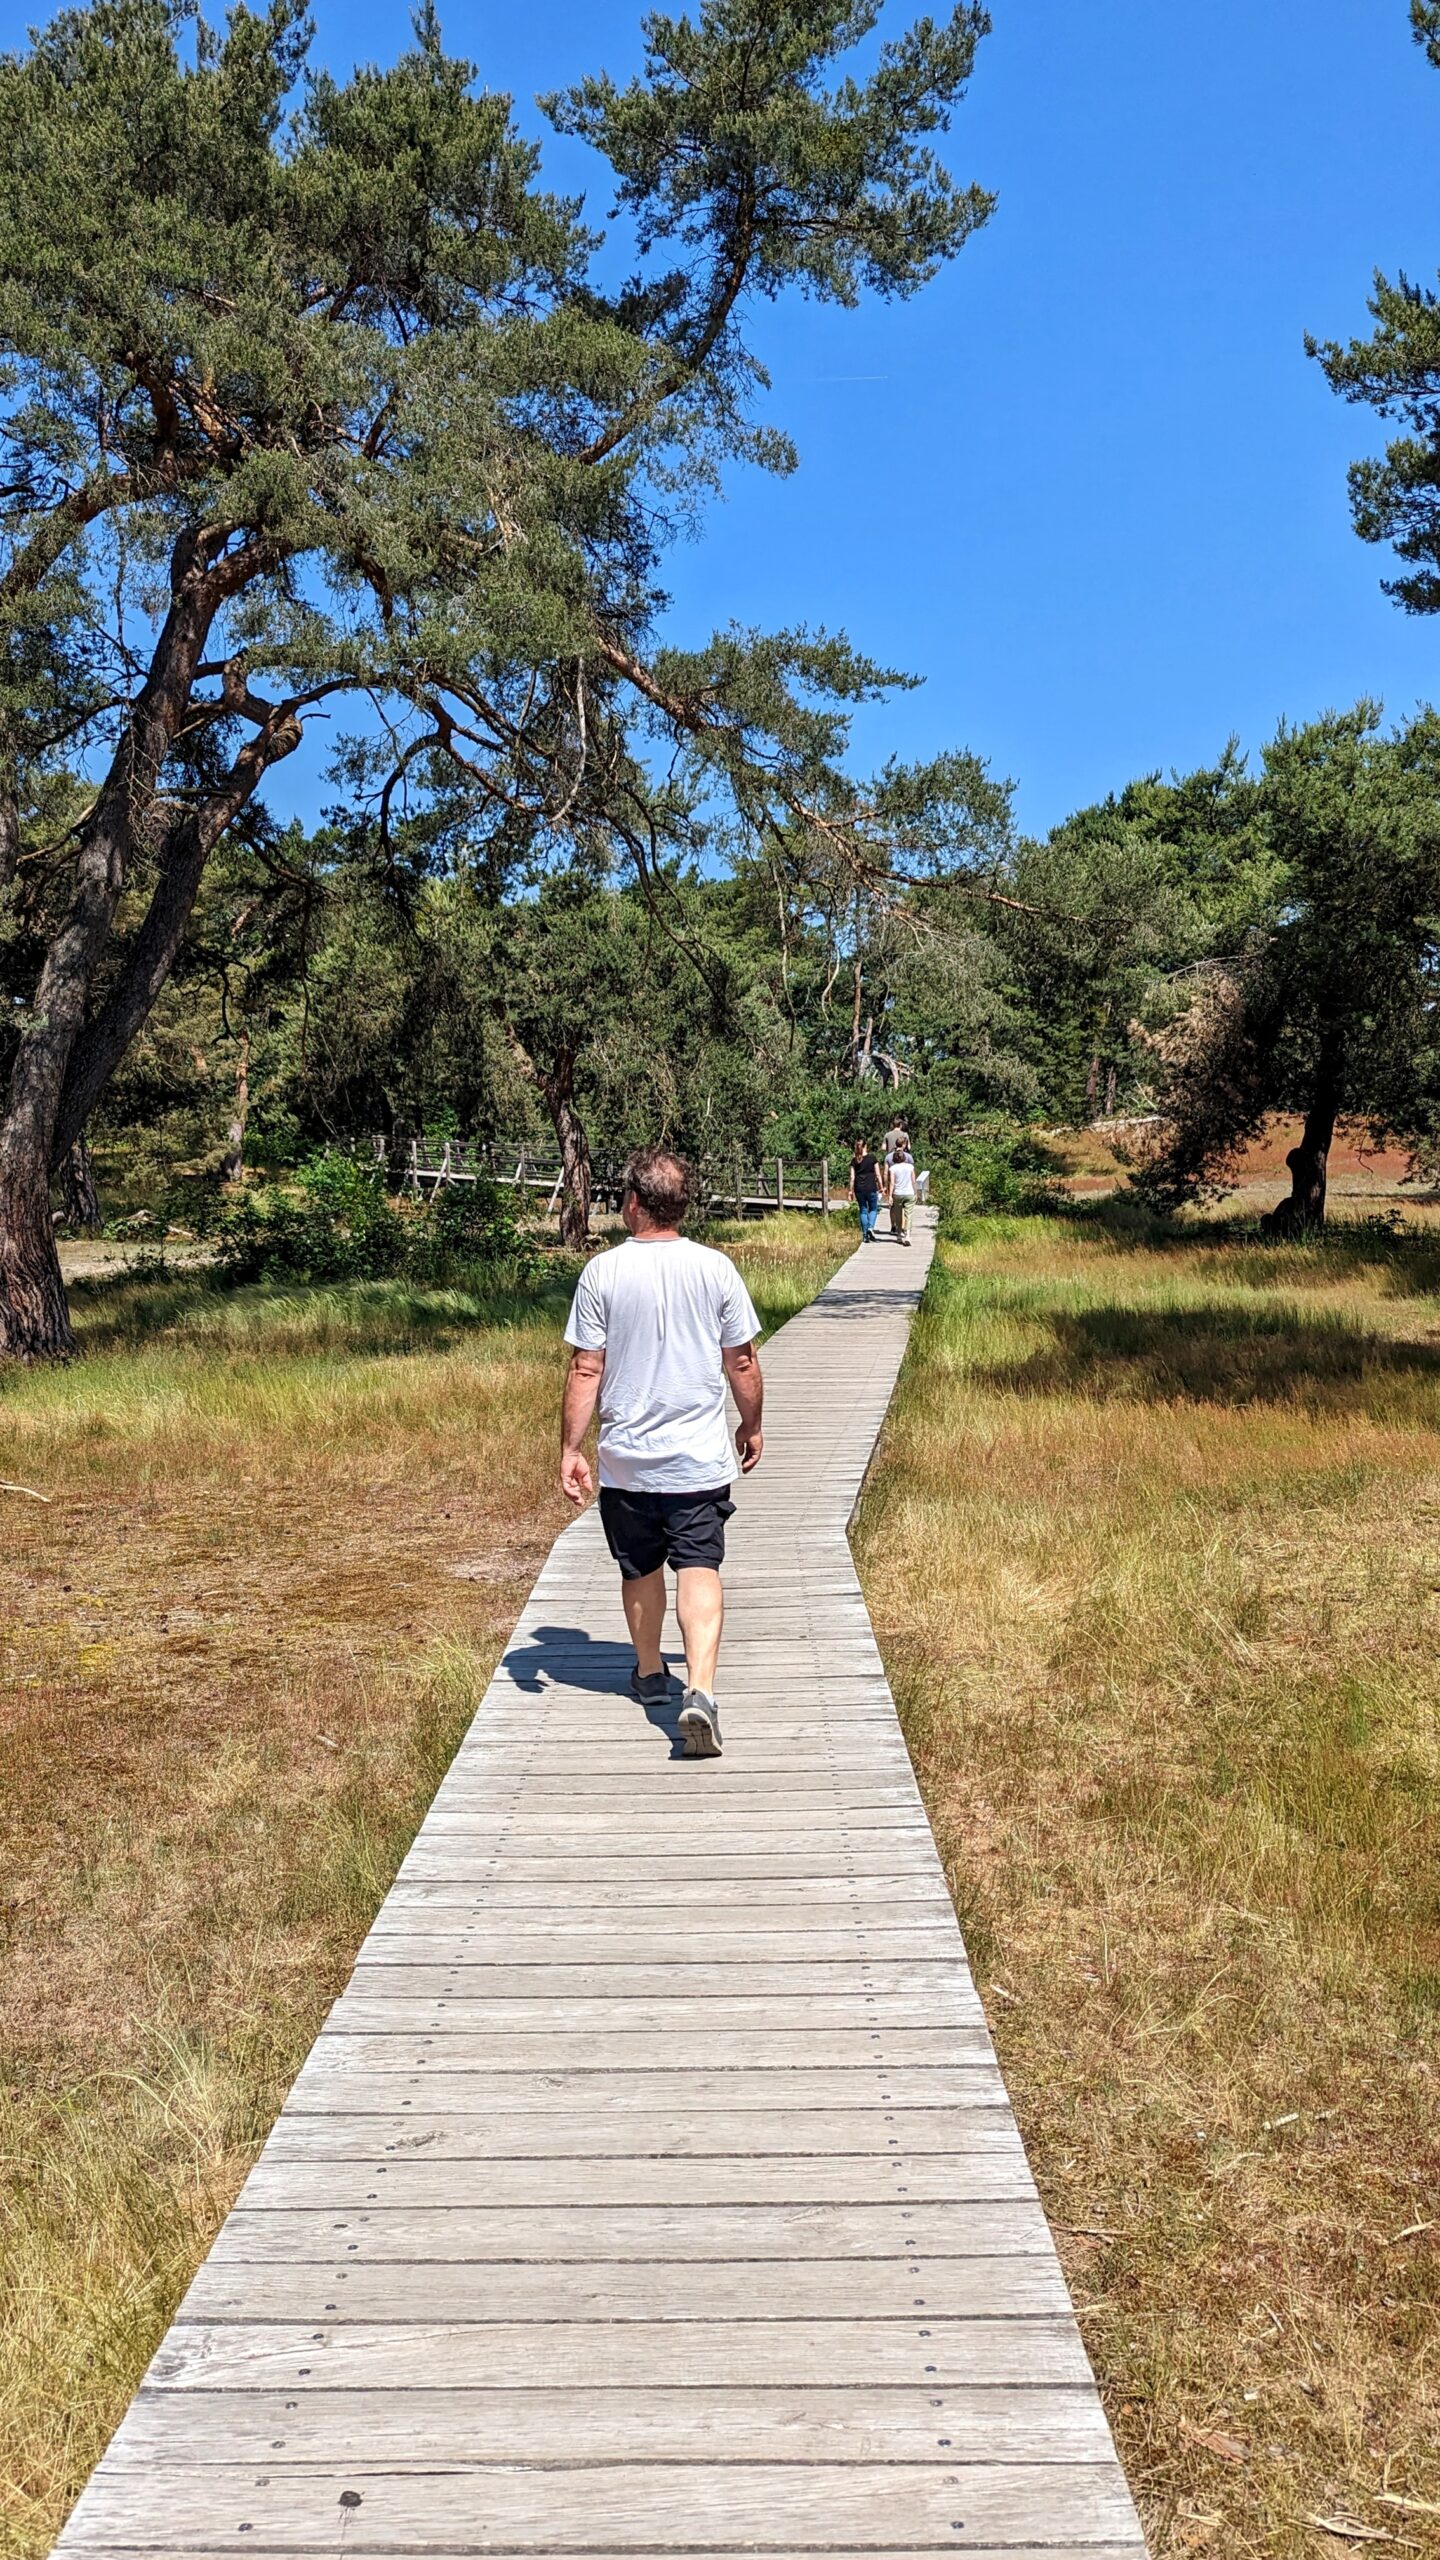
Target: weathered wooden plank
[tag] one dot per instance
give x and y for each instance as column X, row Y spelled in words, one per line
column 388, row 1969
column 993, row 2169
column 472, row 2132
column 694, row 2048
column 331, row 2078
column 644, row 1936
column 466, row 2236
column 399, row 2000
column 620, row 2290
column 603, row 2507
column 419, row 2430
column 634, row 2355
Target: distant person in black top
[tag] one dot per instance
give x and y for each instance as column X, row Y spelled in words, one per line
column 865, row 1182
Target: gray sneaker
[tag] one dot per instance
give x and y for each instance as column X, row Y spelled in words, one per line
column 700, row 1726
column 651, row 1688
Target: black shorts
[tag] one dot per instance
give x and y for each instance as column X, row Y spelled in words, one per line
column 645, row 1530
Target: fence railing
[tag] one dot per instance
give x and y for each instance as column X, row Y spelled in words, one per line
column 737, row 1183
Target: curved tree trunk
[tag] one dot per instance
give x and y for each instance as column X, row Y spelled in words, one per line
column 1304, row 1212
column 559, row 1091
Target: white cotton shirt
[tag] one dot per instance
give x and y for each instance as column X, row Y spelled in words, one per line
column 662, row 1312
column 902, row 1180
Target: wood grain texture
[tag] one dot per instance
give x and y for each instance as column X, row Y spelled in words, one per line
column 652, row 2187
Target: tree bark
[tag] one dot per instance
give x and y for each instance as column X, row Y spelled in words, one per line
column 558, row 1088
column 77, row 1177
column 34, row 1318
column 233, row 1162
column 1304, row 1212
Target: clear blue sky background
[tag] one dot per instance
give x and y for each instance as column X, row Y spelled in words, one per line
column 1088, row 483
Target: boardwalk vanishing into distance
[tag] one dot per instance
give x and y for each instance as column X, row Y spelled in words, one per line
column 652, row 2188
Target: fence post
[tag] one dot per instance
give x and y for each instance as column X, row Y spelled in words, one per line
column 825, row 1185
column 739, row 1186
column 779, row 1182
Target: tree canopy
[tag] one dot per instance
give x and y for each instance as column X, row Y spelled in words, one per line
column 311, row 391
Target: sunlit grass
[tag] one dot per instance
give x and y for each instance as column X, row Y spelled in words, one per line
column 1154, row 1548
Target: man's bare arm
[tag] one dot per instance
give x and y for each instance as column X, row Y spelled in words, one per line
column 742, row 1368
column 582, row 1387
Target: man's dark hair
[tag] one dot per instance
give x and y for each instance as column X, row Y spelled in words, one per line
column 663, row 1184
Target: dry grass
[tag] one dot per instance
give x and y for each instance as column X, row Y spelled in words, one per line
column 285, row 1537
column 1154, row 1550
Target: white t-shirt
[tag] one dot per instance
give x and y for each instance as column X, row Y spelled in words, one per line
column 902, row 1179
column 662, row 1312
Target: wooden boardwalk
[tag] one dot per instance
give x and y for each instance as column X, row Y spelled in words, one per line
column 652, row 2188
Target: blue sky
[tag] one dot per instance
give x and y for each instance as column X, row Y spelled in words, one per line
column 1087, row 484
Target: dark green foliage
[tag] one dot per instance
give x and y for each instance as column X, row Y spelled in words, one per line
column 333, row 1220
column 1328, row 1009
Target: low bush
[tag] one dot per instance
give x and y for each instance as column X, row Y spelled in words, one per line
column 334, row 1220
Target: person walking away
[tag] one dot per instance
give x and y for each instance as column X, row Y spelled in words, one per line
column 893, row 1140
column 865, row 1189
column 657, row 1327
column 902, row 1193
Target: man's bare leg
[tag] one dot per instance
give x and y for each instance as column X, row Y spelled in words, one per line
column 700, row 1607
column 644, row 1604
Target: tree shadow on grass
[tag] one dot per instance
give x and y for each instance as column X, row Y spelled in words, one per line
column 1399, row 1263
column 361, row 1319
column 1228, row 1356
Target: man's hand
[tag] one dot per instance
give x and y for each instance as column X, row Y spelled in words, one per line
column 742, row 1368
column 582, row 1387
column 751, row 1446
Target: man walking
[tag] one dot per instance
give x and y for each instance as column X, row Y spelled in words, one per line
column 902, row 1192
column 658, row 1325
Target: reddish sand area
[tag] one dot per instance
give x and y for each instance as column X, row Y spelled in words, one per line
column 1087, row 1167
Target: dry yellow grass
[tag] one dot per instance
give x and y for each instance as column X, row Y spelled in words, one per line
column 1153, row 1547
column 284, row 1538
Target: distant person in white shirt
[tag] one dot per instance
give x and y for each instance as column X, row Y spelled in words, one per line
column 657, row 1327
column 902, row 1192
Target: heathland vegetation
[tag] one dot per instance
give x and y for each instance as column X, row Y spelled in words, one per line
column 318, row 405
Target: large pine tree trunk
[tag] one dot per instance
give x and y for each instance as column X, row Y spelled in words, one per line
column 1304, row 1212
column 34, row 1319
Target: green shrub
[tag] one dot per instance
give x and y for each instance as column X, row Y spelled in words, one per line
column 333, row 1220
column 995, row 1168
column 465, row 1225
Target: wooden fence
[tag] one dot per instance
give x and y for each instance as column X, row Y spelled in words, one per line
column 737, row 1184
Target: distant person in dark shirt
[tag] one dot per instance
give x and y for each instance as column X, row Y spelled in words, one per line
column 865, row 1185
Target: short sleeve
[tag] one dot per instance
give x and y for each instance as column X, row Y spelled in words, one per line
column 585, row 1329
column 738, row 1320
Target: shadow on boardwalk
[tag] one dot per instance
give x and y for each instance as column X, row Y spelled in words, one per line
column 570, row 1658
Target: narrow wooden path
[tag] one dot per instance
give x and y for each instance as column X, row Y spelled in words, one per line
column 652, row 2188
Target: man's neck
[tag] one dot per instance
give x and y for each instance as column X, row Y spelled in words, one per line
column 654, row 1235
